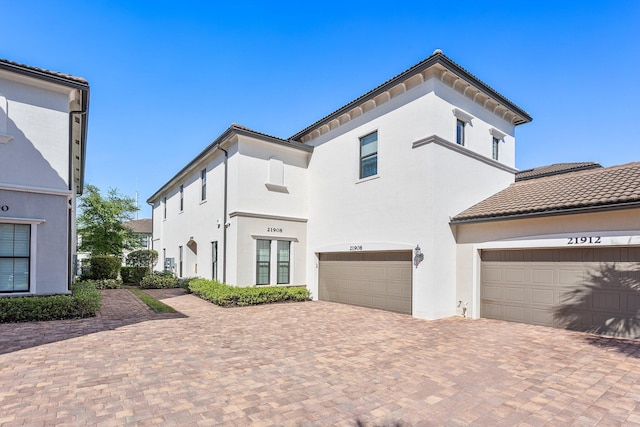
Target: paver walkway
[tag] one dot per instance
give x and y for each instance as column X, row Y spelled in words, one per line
column 308, row 364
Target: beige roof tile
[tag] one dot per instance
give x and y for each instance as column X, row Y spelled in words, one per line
column 590, row 188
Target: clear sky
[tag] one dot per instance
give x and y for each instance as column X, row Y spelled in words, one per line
column 168, row 77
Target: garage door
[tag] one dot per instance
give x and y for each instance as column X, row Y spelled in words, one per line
column 370, row 279
column 588, row 289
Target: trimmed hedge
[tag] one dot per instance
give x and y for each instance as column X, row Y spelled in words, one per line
column 105, row 283
column 84, row 301
column 229, row 296
column 133, row 274
column 159, row 281
column 142, row 258
column 104, row 267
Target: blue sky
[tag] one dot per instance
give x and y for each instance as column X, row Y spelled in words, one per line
column 168, row 77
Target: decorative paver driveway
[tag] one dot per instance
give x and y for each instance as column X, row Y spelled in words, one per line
column 308, row 364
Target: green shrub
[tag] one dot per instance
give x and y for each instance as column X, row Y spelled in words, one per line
column 229, row 296
column 159, row 281
column 104, row 267
column 84, row 301
column 142, row 258
column 133, row 274
column 184, row 282
column 105, row 283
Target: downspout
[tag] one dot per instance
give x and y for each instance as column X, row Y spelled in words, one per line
column 70, row 243
column 224, row 217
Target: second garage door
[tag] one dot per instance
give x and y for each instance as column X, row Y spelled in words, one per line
column 588, row 289
column 370, row 279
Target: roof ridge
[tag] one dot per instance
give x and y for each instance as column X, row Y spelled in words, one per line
column 570, row 174
column 59, row 74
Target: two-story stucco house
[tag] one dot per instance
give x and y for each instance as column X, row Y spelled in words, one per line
column 357, row 205
column 43, row 127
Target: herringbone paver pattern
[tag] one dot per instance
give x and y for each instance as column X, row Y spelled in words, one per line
column 309, row 364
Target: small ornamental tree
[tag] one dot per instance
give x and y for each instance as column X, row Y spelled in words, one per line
column 100, row 222
column 142, row 258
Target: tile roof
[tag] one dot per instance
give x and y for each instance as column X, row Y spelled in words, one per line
column 616, row 186
column 140, row 225
column 555, row 169
column 436, row 57
column 16, row 65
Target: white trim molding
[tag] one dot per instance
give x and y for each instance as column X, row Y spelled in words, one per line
column 265, row 216
column 465, row 117
column 5, row 138
column 32, row 189
column 4, row 219
column 365, row 247
column 497, row 134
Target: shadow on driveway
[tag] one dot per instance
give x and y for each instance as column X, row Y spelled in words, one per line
column 119, row 308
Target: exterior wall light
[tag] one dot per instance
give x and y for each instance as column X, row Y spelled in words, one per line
column 418, row 257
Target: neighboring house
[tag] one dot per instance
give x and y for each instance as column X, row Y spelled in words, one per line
column 43, row 127
column 346, row 205
column 143, row 230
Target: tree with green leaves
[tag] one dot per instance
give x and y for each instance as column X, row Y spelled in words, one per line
column 100, row 222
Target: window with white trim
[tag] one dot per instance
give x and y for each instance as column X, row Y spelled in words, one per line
column 179, row 261
column 284, row 262
column 263, row 261
column 203, row 184
column 495, row 145
column 214, row 260
column 181, row 198
column 15, row 257
column 460, row 132
column 369, row 155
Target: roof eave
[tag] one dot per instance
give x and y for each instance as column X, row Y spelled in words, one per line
column 553, row 212
column 227, row 134
column 418, row 68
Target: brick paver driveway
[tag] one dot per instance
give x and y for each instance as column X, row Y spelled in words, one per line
column 308, row 364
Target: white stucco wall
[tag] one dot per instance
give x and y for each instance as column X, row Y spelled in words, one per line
column 412, row 197
column 34, row 174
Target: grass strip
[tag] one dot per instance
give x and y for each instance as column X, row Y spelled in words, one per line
column 154, row 304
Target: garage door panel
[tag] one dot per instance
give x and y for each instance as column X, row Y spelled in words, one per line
column 541, row 316
column 543, row 296
column 512, row 294
column 514, row 313
column 542, row 276
column 590, row 289
column 377, row 279
column 514, row 275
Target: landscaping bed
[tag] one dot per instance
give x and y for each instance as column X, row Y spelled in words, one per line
column 84, row 301
column 232, row 296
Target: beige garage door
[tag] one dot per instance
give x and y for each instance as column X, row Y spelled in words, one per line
column 587, row 289
column 370, row 279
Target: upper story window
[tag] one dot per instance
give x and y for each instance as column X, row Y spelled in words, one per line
column 181, row 198
column 369, row 155
column 462, row 119
column 460, row 132
column 496, row 137
column 203, row 184
column 164, row 208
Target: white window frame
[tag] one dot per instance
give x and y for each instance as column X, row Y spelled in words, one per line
column 203, row 185
column 33, row 262
column 376, row 154
column 462, row 119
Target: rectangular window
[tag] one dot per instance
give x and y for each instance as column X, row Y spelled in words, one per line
column 284, row 261
column 494, row 150
column 214, row 260
column 179, row 261
column 164, row 204
column 460, row 132
column 15, row 252
column 263, row 258
column 203, row 184
column 369, row 155
column 181, row 198
column 164, row 259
